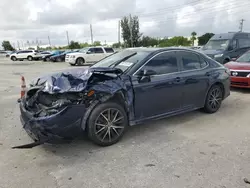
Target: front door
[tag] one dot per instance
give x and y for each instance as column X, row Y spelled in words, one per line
column 195, row 79
column 161, row 93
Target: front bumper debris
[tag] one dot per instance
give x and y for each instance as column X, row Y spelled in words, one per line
column 31, row 145
column 57, row 128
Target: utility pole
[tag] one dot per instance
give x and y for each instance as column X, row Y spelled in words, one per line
column 119, row 33
column 22, row 45
column 130, row 28
column 49, row 42
column 241, row 25
column 18, row 45
column 37, row 44
column 91, row 34
column 67, row 37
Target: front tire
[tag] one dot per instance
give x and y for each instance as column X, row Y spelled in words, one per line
column 214, row 99
column 107, row 123
column 80, row 61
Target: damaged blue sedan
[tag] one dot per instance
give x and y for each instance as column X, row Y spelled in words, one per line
column 124, row 89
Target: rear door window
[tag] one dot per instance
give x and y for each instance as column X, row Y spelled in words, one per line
column 99, row 50
column 191, row 61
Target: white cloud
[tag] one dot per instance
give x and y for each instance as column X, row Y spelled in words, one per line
column 28, row 19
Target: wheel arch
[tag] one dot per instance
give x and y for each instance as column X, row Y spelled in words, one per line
column 213, row 84
column 118, row 98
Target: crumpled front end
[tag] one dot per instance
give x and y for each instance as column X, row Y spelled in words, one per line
column 56, row 107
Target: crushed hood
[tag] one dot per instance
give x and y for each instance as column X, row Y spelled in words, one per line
column 238, row 65
column 73, row 80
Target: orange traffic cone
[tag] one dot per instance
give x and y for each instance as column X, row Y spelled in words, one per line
column 23, row 87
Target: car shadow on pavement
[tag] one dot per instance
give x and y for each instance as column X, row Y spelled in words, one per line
column 241, row 90
column 138, row 134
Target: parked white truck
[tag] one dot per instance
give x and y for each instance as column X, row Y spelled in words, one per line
column 88, row 55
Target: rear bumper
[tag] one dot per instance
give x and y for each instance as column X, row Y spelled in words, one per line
column 241, row 82
column 58, row 128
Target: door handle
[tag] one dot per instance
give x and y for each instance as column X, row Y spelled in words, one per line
column 177, row 79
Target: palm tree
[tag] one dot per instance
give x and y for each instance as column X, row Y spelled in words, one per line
column 193, row 38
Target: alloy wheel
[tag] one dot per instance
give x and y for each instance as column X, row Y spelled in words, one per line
column 109, row 125
column 215, row 98
column 80, row 61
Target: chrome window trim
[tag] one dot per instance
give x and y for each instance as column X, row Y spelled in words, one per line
column 177, row 63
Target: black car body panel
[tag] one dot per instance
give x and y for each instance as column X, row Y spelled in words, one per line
column 57, row 106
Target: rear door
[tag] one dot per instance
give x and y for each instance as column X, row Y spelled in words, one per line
column 194, row 78
column 99, row 54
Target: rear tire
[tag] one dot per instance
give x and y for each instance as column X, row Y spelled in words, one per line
column 214, row 99
column 107, row 124
column 80, row 61
column 225, row 61
column 30, row 58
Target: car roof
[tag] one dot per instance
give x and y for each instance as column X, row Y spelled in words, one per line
column 144, row 49
column 228, row 35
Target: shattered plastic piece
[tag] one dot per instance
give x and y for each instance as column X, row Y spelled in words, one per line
column 246, row 181
column 31, row 145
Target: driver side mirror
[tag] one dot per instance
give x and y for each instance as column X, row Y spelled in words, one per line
column 146, row 72
column 145, row 75
column 88, row 52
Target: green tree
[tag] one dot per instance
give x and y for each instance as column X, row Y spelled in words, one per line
column 116, row 45
column 84, row 45
column 74, row 45
column 193, row 37
column 203, row 39
column 7, row 46
column 175, row 41
column 131, row 30
column 96, row 43
column 146, row 41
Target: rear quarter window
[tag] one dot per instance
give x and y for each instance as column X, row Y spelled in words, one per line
column 109, row 50
column 212, row 63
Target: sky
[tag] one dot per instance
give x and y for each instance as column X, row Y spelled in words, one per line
column 31, row 20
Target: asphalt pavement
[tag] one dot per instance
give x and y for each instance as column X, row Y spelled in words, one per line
column 193, row 150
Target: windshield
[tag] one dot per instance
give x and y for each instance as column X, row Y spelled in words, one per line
column 83, row 50
column 216, row 44
column 122, row 60
column 244, row 58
